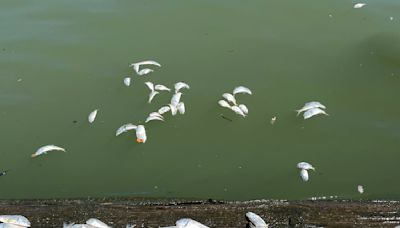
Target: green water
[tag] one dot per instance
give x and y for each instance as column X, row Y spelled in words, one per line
column 59, row 60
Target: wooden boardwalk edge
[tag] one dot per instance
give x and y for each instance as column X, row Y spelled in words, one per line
column 155, row 213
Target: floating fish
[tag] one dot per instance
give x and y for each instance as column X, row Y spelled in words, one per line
column 124, row 128
column 238, row 111
column 174, row 109
column 45, row 149
column 241, row 89
column 141, row 136
column 176, row 98
column 181, row 108
column 244, row 109
column 310, row 105
column 181, row 85
column 305, row 165
column 313, row 112
column 224, row 103
column 92, row 116
column 156, row 114
column 145, row 71
column 150, row 118
column 255, row 221
column 360, row 189
column 161, row 88
column 304, row 175
column 164, row 109
column 229, row 97
column 153, row 89
column 127, row 81
column 359, row 5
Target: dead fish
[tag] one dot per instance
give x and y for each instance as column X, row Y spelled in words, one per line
column 230, row 98
column 360, row 189
column 238, row 111
column 255, row 221
column 92, row 116
column 153, row 93
column 224, row 103
column 141, row 136
column 305, row 165
column 359, row 5
column 310, row 105
column 241, row 89
column 181, row 108
column 150, row 118
column 97, row 223
column 164, row 109
column 313, row 112
column 124, row 128
column 174, row 109
column 181, row 85
column 45, row 149
column 145, row 71
column 17, row 220
column 161, row 88
column 304, row 175
column 189, row 223
column 153, row 89
column 244, row 109
column 127, row 81
column 176, row 98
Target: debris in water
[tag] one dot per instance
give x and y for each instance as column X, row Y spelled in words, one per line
column 4, row 172
column 273, row 119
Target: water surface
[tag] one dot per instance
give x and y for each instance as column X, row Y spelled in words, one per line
column 61, row 60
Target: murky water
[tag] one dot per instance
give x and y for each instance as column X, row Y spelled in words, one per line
column 61, row 60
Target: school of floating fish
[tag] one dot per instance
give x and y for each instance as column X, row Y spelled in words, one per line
column 309, row 109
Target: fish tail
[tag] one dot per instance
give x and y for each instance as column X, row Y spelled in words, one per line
column 298, row 112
